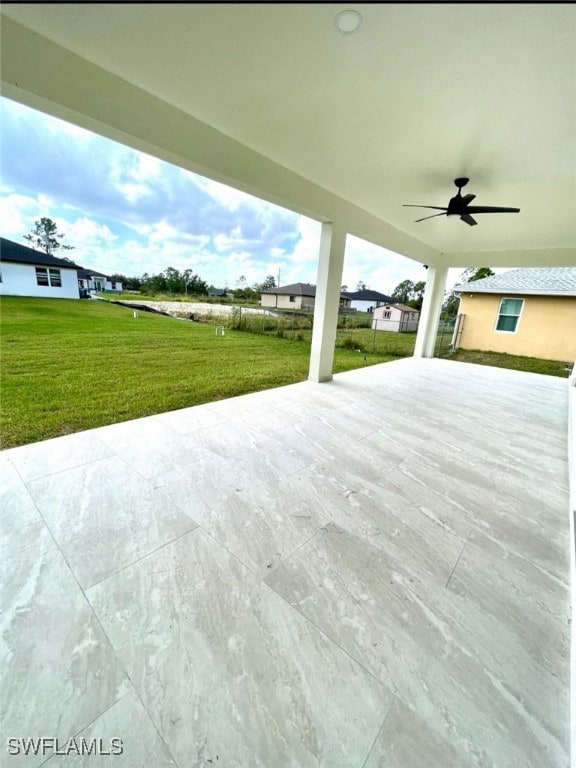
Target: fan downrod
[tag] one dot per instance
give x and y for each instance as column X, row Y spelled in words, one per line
column 461, row 182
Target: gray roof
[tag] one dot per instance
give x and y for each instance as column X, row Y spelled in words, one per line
column 296, row 289
column 87, row 273
column 538, row 281
column 21, row 254
column 368, row 295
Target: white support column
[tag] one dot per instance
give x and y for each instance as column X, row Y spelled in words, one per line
column 430, row 312
column 328, row 284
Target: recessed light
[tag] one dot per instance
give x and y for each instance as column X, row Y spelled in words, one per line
column 348, row 22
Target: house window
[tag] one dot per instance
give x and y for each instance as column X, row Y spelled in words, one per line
column 509, row 314
column 292, row 299
column 387, row 314
column 113, row 286
column 48, row 277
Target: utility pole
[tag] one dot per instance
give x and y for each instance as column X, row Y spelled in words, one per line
column 277, row 288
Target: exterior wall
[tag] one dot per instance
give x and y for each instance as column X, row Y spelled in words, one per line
column 267, row 300
column 546, row 327
column 106, row 286
column 300, row 302
column 398, row 322
column 408, row 322
column 20, row 280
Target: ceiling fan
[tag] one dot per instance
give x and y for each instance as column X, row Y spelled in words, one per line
column 460, row 206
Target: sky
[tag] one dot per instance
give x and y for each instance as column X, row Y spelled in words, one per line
column 129, row 213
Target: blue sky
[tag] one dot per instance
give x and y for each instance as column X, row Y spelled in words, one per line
column 127, row 212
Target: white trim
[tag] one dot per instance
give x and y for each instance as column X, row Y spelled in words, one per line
column 572, row 516
column 499, row 313
column 430, row 311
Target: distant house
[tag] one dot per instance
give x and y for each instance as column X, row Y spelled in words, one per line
column 367, row 300
column 529, row 311
column 26, row 272
column 90, row 281
column 217, row 292
column 397, row 318
column 295, row 296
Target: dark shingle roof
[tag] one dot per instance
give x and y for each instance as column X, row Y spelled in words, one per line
column 21, row 254
column 539, row 281
column 368, row 295
column 86, row 273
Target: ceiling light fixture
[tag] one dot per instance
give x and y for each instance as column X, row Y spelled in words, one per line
column 348, row 22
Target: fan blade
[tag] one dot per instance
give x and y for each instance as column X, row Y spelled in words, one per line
column 468, row 219
column 430, row 217
column 468, row 199
column 490, row 209
column 433, row 207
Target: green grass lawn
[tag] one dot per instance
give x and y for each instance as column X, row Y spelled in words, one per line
column 69, row 365
column 516, row 362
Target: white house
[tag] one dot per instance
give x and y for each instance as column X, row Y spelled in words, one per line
column 395, row 317
column 26, row 272
column 295, row 296
column 367, row 300
column 91, row 281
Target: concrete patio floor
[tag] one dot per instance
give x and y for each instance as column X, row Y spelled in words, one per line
column 370, row 573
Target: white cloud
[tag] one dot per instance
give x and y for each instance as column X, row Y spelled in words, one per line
column 148, row 167
column 17, row 213
column 301, row 265
column 129, row 212
column 228, row 196
column 89, row 232
column 134, row 192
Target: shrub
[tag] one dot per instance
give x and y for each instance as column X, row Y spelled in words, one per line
column 350, row 343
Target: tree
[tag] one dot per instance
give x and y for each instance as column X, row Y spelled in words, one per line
column 481, row 273
column 452, row 301
column 193, row 283
column 475, row 273
column 450, row 306
column 46, row 237
column 417, row 295
column 361, row 285
column 173, row 281
column 128, row 283
column 404, row 291
column 267, row 285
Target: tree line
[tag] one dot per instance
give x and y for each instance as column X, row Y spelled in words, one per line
column 187, row 282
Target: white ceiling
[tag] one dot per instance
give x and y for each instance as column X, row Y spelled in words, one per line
column 388, row 115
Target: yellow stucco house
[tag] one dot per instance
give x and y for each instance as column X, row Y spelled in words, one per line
column 529, row 312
